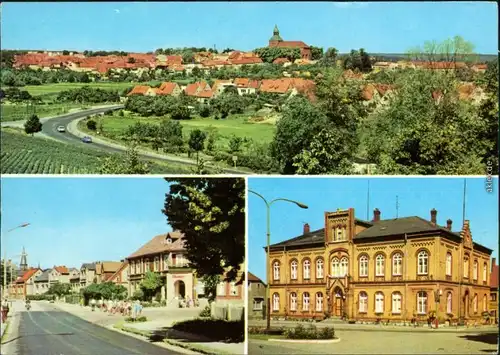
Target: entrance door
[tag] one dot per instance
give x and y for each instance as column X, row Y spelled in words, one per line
column 338, row 302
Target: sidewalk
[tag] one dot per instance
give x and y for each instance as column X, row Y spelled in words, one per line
column 372, row 327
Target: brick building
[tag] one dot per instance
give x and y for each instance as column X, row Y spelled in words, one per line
column 395, row 269
column 277, row 41
column 493, row 308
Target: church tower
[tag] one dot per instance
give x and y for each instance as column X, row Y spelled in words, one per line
column 273, row 41
column 23, row 265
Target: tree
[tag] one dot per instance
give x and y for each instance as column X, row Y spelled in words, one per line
column 180, row 112
column 235, row 143
column 151, row 283
column 316, row 53
column 211, row 214
column 59, row 289
column 33, row 125
column 211, row 283
column 106, row 290
column 197, row 141
column 330, row 57
column 131, row 60
column 92, row 125
column 124, row 164
column 491, row 77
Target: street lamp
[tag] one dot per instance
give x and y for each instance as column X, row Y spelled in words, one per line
column 268, row 227
column 4, row 283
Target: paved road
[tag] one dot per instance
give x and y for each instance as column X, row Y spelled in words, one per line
column 46, row 330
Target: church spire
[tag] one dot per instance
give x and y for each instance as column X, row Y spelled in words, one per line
column 23, row 265
column 276, row 35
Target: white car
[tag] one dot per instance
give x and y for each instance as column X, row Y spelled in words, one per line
column 61, row 129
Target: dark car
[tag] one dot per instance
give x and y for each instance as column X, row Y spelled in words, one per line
column 87, row 139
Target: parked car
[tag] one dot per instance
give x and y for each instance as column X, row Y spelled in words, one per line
column 87, row 139
column 61, row 129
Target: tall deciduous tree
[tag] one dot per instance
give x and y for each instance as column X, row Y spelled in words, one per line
column 151, row 283
column 211, row 214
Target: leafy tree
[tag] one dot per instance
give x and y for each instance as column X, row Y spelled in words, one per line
column 330, row 57
column 316, row 53
column 124, row 164
column 358, row 60
column 211, row 214
column 131, row 60
column 491, row 77
column 211, row 282
column 151, row 283
column 33, row 125
column 106, row 290
column 92, row 125
column 204, row 111
column 196, row 141
column 59, row 289
column 235, row 143
column 488, row 114
column 180, row 112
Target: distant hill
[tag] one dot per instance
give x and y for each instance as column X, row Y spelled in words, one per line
column 398, row 56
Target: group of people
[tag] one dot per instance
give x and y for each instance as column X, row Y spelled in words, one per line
column 188, row 303
column 125, row 308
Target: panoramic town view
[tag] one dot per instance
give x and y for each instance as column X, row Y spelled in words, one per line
column 384, row 266
column 353, row 94
column 123, row 266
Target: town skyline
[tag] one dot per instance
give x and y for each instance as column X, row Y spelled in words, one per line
column 415, row 197
column 413, row 23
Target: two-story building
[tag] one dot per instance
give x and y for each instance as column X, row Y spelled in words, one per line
column 41, row 282
column 121, row 276
column 87, row 274
column 105, row 269
column 231, row 292
column 256, row 302
column 25, row 284
column 395, row 269
column 165, row 255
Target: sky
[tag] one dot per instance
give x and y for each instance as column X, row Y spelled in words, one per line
column 382, row 27
column 77, row 220
column 415, row 196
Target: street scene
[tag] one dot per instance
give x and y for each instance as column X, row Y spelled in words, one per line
column 372, row 266
column 126, row 269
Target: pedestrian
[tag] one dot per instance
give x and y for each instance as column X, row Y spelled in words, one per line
column 93, row 304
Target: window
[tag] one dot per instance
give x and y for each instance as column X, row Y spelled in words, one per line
column 493, row 297
column 335, row 267
column 157, row 264
column 339, row 234
column 379, row 265
column 396, row 302
column 343, row 267
column 307, row 270
column 448, row 264
column 165, row 262
column 397, row 264
column 422, row 302
column 233, row 290
column 466, row 267
column 475, row 303
column 221, row 289
column 363, row 266
column 474, row 270
column 423, row 263
column 319, row 302
column 379, row 302
column 258, row 304
column 449, row 303
column 146, row 265
column 319, row 268
column 132, row 267
column 485, row 272
column 293, row 301
column 276, row 302
column 276, row 271
column 305, row 301
column 293, row 270
column 485, row 304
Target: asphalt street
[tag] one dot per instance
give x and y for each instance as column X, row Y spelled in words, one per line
column 47, row 330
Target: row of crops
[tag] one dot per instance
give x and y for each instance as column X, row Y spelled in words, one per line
column 21, row 154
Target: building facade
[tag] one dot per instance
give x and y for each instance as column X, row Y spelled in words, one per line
column 400, row 269
column 231, row 292
column 121, row 276
column 493, row 308
column 87, row 274
column 25, row 284
column 256, row 297
column 277, row 41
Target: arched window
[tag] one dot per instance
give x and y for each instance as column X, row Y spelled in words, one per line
column 397, row 264
column 146, row 265
column 335, row 267
column 319, row 302
column 363, row 266
column 165, row 261
column 293, row 301
column 319, row 269
column 485, row 303
column 485, row 272
column 396, row 302
column 276, row 270
column 474, row 270
column 448, row 264
column 466, row 266
column 379, row 265
column 305, row 301
column 293, row 270
column 307, row 269
column 423, row 263
column 363, row 302
column 422, row 302
column 276, row 302
column 475, row 303
column 343, row 267
column 449, row 303
column 379, row 302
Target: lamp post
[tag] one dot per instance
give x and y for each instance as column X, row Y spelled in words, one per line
column 4, row 283
column 268, row 242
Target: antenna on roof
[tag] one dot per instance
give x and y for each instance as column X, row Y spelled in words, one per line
column 368, row 202
column 397, row 207
column 463, row 206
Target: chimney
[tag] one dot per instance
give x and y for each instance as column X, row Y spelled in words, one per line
column 448, row 224
column 307, row 229
column 434, row 216
column 376, row 215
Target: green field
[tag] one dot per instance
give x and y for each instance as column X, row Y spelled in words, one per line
column 16, row 112
column 236, row 124
column 22, row 154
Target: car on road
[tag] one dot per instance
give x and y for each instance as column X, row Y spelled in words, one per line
column 87, row 139
column 61, row 129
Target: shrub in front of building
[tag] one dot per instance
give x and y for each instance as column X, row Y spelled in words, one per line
column 205, row 313
column 263, row 330
column 214, row 329
column 136, row 320
column 40, row 297
column 310, row 333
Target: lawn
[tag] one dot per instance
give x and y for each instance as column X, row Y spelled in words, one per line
column 22, row 154
column 16, row 112
column 48, row 89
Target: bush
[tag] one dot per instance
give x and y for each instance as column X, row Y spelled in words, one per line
column 204, row 111
column 40, row 297
column 311, row 332
column 136, row 320
column 262, row 330
column 214, row 329
column 206, row 312
column 92, row 125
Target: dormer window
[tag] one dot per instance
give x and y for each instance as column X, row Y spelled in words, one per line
column 169, row 240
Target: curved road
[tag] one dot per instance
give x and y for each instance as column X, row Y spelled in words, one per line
column 50, row 125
